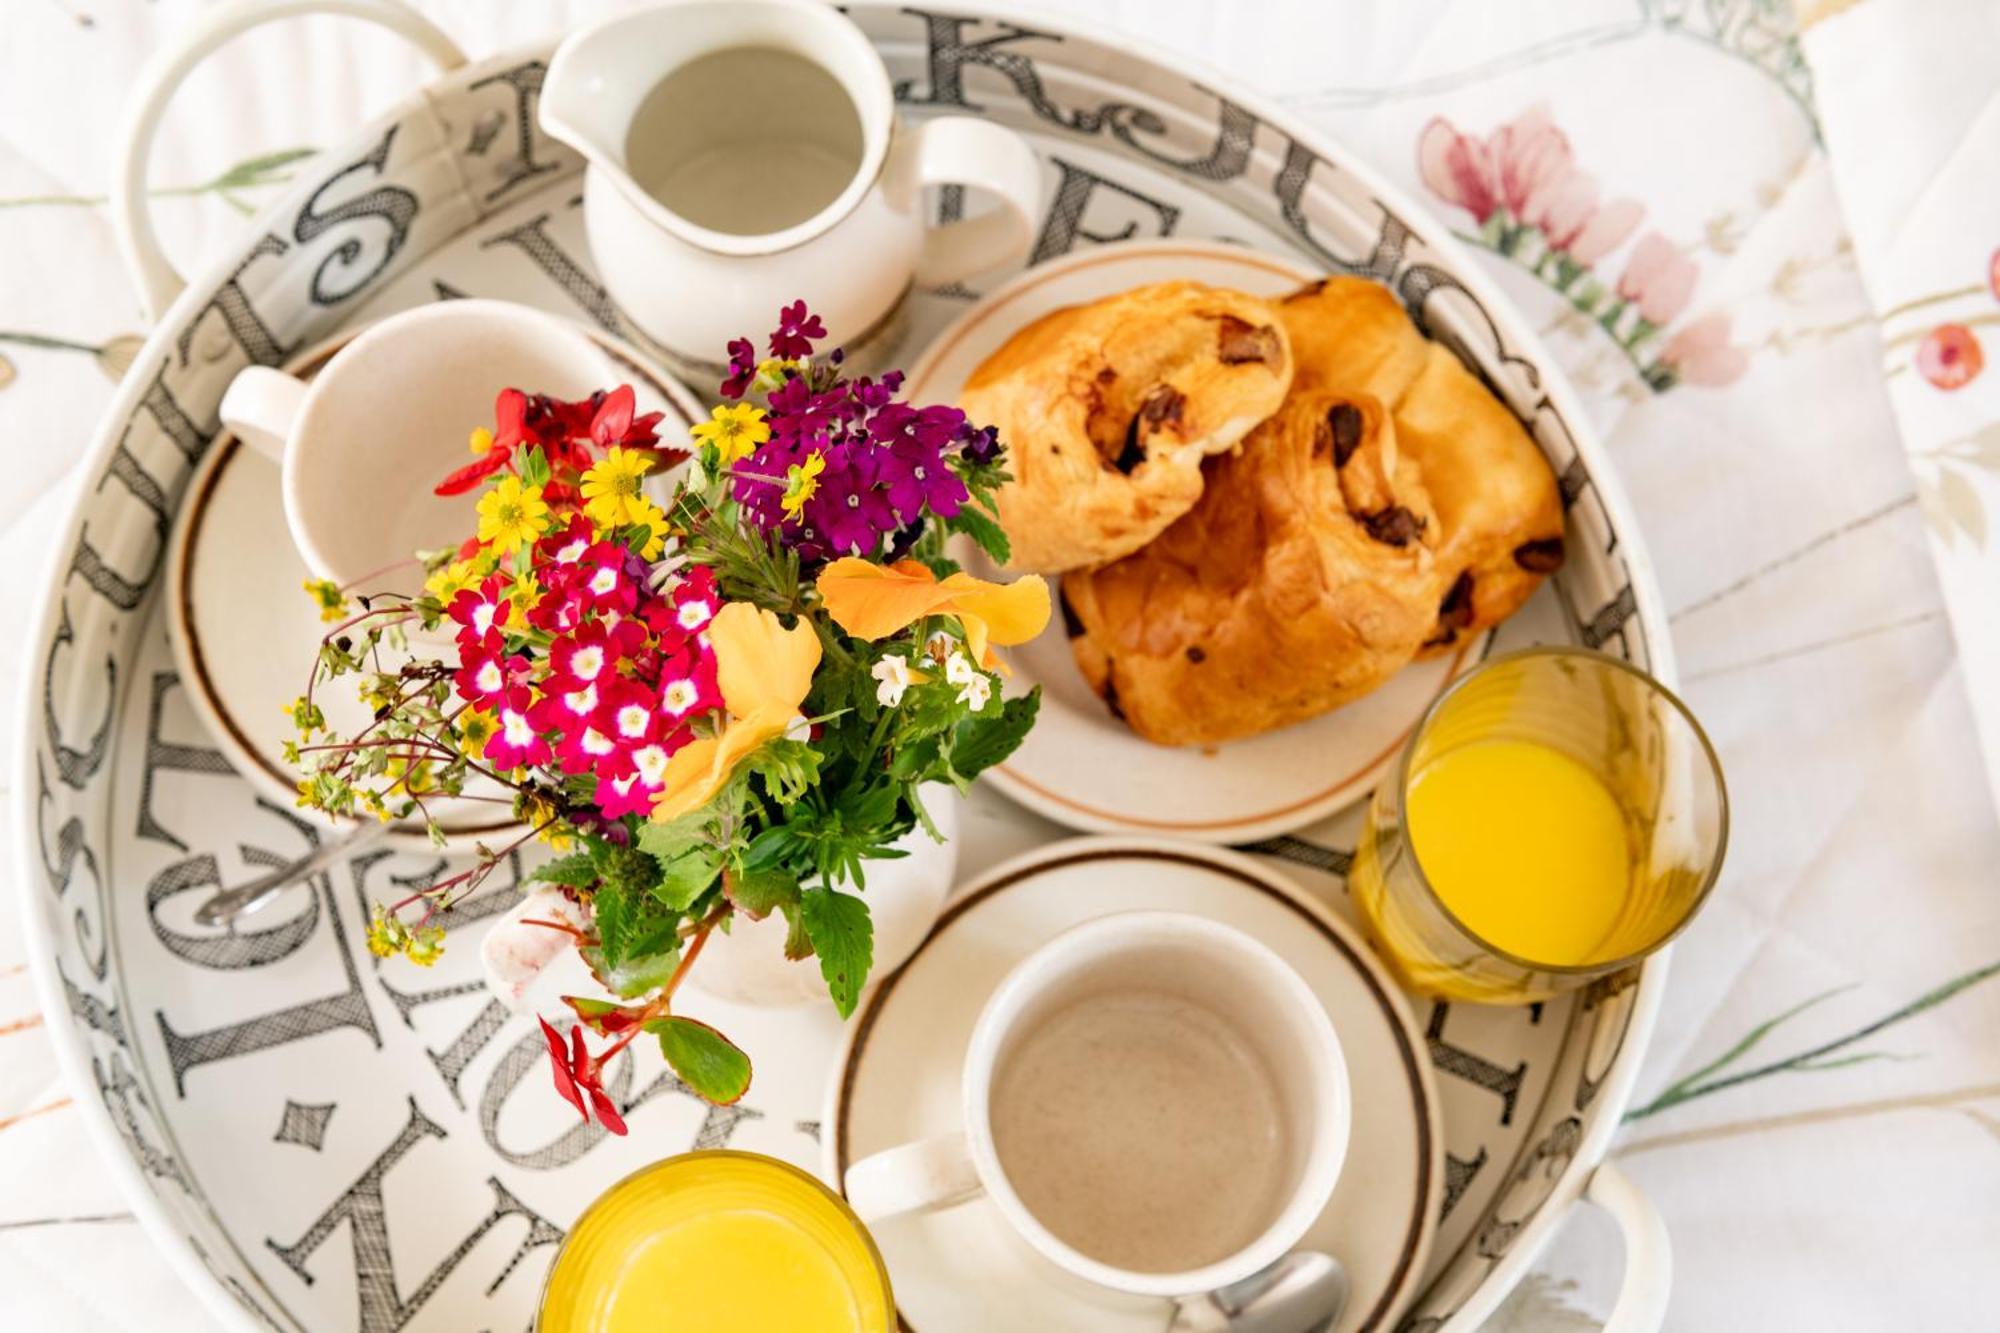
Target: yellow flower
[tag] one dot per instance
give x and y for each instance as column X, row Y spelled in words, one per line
column 764, row 672
column 611, row 488
column 480, row 440
column 448, row 581
column 521, row 598
column 647, row 515
column 511, row 514
column 475, row 728
column 735, row 429
column 873, row 601
column 332, row 605
column 802, row 482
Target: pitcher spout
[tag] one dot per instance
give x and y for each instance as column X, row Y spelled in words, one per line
column 597, row 79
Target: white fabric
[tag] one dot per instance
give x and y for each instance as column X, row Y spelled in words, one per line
column 1809, row 624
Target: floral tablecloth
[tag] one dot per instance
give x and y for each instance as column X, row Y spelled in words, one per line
column 1666, row 191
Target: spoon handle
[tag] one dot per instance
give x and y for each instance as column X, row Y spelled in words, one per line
column 229, row 905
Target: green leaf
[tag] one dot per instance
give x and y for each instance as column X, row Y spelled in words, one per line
column 758, row 893
column 535, row 466
column 683, row 879
column 798, row 944
column 576, row 871
column 616, row 921
column 984, row 741
column 648, row 966
column 708, row 1062
column 992, row 538
column 669, row 840
column 844, row 938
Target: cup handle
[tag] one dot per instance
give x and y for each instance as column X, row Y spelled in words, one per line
column 964, row 150
column 1641, row 1305
column 915, row 1178
column 152, row 272
column 260, row 406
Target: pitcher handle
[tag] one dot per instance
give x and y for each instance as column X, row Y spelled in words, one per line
column 154, row 275
column 964, row 150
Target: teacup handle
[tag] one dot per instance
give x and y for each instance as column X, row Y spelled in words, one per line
column 918, row 1177
column 260, row 406
column 152, row 272
column 964, row 150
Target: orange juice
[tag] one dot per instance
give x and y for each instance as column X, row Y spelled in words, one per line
column 718, row 1242
column 1525, row 846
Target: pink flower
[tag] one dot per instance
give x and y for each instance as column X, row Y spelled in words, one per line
column 590, row 750
column 484, row 671
column 1524, row 161
column 1458, row 169
column 1950, row 356
column 516, row 743
column 567, row 706
column 565, row 547
column 687, row 683
column 604, row 582
column 634, row 792
column 593, row 649
column 627, row 713
column 1701, row 353
column 1606, row 231
column 1531, row 157
column 1658, row 278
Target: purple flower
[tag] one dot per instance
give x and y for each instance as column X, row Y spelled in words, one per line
column 742, row 367
column 797, row 330
column 851, row 513
column 984, row 445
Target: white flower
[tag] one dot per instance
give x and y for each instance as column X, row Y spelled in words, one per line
column 800, row 728
column 976, row 692
column 958, row 669
column 895, row 676
column 939, row 645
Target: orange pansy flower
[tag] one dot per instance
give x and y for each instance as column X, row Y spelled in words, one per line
column 873, row 601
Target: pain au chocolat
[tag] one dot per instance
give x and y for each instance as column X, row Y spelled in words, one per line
column 1390, row 508
column 1110, row 408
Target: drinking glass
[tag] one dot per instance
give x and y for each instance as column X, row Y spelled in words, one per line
column 1634, row 738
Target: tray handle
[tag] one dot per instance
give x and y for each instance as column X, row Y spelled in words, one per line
column 1641, row 1304
column 152, row 272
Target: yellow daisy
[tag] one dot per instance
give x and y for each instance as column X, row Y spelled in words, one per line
column 332, row 605
column 521, row 599
column 475, row 728
column 611, row 488
column 735, row 429
column 511, row 514
column 802, row 482
column 448, row 581
column 480, row 440
column 647, row 515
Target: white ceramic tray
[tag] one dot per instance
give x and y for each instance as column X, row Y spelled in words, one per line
column 322, row 1141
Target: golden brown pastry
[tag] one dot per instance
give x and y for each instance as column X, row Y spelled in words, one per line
column 1304, row 577
column 1108, row 410
column 1496, row 498
column 1390, row 507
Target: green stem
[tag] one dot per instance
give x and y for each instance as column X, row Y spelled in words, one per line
column 48, row 343
column 1689, row 1088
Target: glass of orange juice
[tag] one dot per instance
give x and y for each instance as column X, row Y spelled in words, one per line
column 718, row 1241
column 1556, row 816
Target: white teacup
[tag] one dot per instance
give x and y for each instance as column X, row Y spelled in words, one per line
column 364, row 444
column 747, row 153
column 1155, row 1103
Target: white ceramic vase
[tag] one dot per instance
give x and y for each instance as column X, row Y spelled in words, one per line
column 904, row 896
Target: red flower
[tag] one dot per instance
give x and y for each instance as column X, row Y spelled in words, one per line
column 484, row 670
column 1950, row 356
column 577, row 1075
column 687, row 683
column 480, row 611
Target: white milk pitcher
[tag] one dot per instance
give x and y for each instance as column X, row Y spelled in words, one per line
column 745, row 154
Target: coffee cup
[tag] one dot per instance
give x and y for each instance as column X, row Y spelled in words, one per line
column 364, row 443
column 1154, row 1103
column 744, row 154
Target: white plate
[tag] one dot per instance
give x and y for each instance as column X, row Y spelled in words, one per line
column 244, row 632
column 1238, row 792
column 959, row 1270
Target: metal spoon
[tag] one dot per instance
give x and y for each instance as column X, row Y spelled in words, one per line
column 1304, row 1292
column 227, row 906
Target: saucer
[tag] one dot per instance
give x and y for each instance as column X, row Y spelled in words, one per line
column 960, row 1270
column 1242, row 790
column 244, row 632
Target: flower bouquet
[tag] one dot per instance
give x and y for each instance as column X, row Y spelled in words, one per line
column 721, row 702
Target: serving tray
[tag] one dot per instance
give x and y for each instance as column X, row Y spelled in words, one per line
column 323, row 1141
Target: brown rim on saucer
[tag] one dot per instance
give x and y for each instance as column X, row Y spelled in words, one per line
column 1412, row 1063
column 667, row 1163
column 1401, row 777
column 225, row 448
